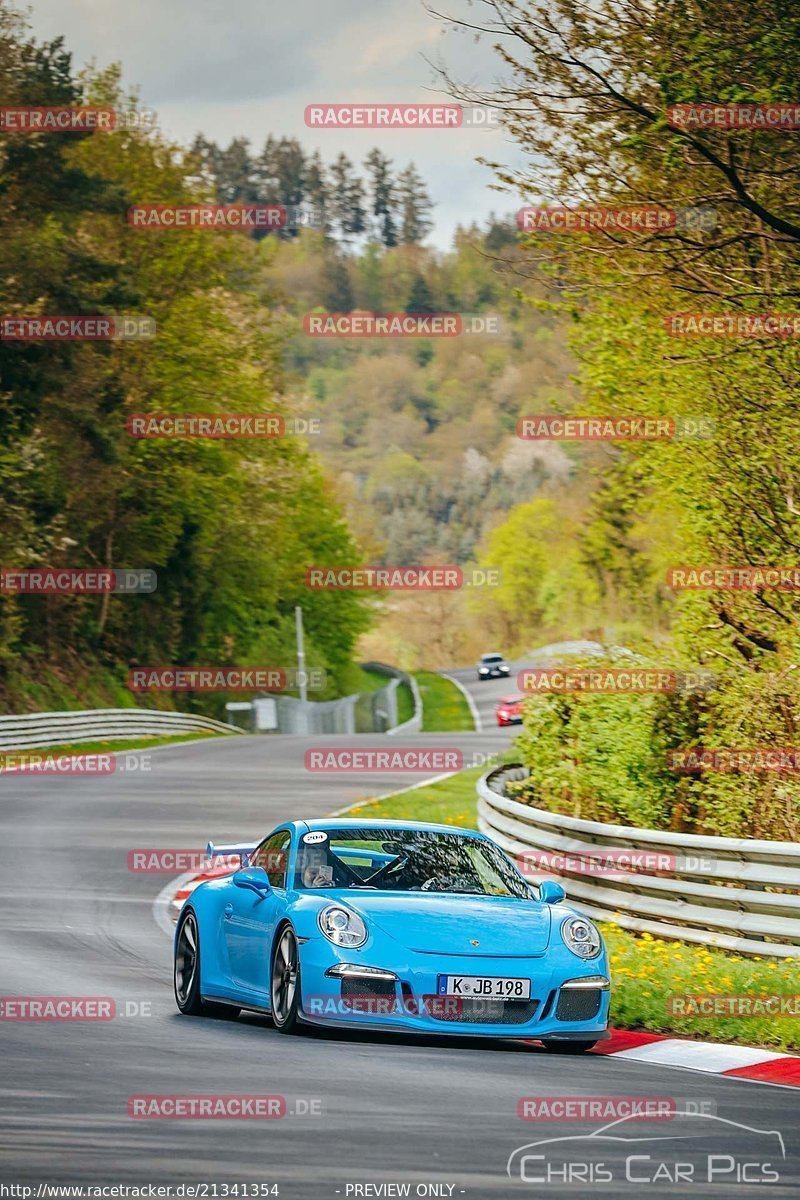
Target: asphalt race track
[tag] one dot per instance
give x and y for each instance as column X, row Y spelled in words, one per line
column 485, row 694
column 74, row 921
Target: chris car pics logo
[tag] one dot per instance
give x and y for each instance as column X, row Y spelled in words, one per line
column 696, row 1148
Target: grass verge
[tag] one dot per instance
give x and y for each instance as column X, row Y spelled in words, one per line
column 405, row 703
column 444, row 708
column 649, row 974
column 361, row 680
column 114, row 746
column 450, row 802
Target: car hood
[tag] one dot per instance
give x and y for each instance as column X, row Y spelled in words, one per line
column 448, row 924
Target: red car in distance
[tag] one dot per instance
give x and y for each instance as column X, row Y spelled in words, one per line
column 509, row 710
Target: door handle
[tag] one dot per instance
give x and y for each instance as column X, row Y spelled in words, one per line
column 228, row 911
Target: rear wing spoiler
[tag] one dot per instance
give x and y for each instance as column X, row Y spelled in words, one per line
column 242, row 850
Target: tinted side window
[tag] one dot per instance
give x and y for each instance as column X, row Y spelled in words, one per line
column 273, row 856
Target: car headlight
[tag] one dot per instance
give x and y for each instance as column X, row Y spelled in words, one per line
column 505, row 668
column 582, row 937
column 341, row 926
column 483, row 670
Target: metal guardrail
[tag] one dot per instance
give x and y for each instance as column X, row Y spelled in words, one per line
column 735, row 893
column 38, row 730
column 361, row 712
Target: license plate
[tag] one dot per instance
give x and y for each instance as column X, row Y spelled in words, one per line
column 500, row 987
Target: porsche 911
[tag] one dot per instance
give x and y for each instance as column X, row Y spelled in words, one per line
column 398, row 926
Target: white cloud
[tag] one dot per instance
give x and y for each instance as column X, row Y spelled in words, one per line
column 249, row 68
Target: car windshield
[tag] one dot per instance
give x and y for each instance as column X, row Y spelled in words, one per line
column 492, row 658
column 405, row 860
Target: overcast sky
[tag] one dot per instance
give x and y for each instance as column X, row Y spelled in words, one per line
column 249, row 67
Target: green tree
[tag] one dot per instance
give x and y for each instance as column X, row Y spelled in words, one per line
column 415, row 207
column 383, row 196
column 347, row 199
column 316, row 189
column 337, row 292
column 420, row 299
column 228, row 527
column 588, row 103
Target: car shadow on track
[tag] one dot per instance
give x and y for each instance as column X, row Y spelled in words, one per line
column 370, row 1037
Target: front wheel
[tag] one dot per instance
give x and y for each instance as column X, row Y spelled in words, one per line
column 568, row 1047
column 285, row 982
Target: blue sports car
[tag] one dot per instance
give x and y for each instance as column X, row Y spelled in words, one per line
column 398, row 926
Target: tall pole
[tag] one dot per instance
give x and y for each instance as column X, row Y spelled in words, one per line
column 301, row 653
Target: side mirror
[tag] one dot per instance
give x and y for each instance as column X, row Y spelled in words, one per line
column 254, row 879
column 551, row 892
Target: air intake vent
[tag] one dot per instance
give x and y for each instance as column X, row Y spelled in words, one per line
column 578, row 1004
column 480, row 1010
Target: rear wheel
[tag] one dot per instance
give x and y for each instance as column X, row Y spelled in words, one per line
column 285, row 982
column 187, row 975
column 187, row 967
column 568, row 1047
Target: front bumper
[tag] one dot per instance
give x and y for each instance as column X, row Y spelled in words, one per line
column 405, row 997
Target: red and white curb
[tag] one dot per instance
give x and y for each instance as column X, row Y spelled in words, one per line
column 740, row 1062
column 715, row 1058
